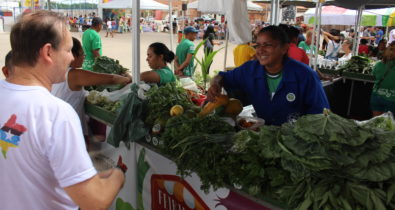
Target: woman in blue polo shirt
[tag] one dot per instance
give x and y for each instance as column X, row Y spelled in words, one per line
column 278, row 87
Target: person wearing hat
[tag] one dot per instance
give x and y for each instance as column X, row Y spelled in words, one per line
column 184, row 53
column 91, row 43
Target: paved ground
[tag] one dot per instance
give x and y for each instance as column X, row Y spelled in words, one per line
column 120, row 47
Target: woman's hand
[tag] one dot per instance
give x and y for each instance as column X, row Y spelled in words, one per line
column 215, row 88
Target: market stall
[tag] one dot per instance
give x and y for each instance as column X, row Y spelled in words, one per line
column 202, row 162
column 180, row 158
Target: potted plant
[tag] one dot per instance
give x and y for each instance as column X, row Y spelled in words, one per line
column 205, row 62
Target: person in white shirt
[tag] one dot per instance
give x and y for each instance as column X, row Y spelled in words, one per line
column 44, row 163
column 333, row 47
column 109, row 28
column 72, row 90
column 347, row 49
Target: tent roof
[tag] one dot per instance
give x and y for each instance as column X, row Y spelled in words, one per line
column 127, row 4
column 303, row 3
column 250, row 6
column 369, row 4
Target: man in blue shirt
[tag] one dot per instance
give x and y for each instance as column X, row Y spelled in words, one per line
column 379, row 35
column 278, row 87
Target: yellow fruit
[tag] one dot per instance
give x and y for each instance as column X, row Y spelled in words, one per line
column 221, row 100
column 176, row 110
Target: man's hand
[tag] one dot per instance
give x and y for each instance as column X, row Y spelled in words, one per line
column 215, row 88
column 178, row 72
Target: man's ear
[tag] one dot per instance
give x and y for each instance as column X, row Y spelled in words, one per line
column 46, row 53
column 5, row 71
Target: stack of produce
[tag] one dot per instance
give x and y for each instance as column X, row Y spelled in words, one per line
column 104, row 64
column 96, row 98
column 318, row 162
column 160, row 100
column 358, row 64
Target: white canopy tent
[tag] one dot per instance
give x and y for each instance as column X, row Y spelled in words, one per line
column 127, row 4
column 250, row 6
column 332, row 15
column 235, row 11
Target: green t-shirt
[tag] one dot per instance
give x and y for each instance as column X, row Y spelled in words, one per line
column 90, row 41
column 272, row 82
column 166, row 75
column 183, row 49
column 387, row 86
column 303, row 45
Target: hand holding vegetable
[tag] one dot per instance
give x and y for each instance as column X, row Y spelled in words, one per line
column 215, row 88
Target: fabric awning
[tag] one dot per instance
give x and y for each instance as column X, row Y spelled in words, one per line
column 127, row 4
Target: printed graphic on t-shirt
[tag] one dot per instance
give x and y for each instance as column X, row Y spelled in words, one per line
column 10, row 134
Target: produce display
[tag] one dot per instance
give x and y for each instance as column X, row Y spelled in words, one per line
column 358, row 64
column 320, row 161
column 96, row 98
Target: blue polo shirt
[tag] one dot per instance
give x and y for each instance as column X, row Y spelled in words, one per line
column 300, row 91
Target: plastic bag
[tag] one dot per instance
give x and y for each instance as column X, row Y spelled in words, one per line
column 249, row 123
column 118, row 94
column 128, row 125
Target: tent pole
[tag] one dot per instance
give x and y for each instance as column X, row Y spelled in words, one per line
column 171, row 29
column 226, row 44
column 136, row 41
column 314, row 34
column 357, row 30
column 386, row 33
column 272, row 12
column 317, row 44
column 278, row 13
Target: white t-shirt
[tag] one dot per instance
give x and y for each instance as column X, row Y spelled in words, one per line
column 43, row 149
column 332, row 48
column 392, row 36
column 75, row 98
column 346, row 57
column 109, row 24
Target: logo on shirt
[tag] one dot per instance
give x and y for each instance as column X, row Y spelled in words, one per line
column 291, row 97
column 10, row 134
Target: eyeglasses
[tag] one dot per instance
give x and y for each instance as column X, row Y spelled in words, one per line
column 265, row 45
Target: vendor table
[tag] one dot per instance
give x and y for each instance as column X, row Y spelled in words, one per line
column 152, row 181
column 349, row 97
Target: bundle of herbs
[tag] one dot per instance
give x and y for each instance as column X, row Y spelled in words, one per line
column 161, row 99
column 358, row 64
column 104, row 64
column 199, row 144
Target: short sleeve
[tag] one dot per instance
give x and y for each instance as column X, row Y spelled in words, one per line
column 165, row 75
column 96, row 42
column 191, row 48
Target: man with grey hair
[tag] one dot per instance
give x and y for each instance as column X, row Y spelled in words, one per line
column 44, row 162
